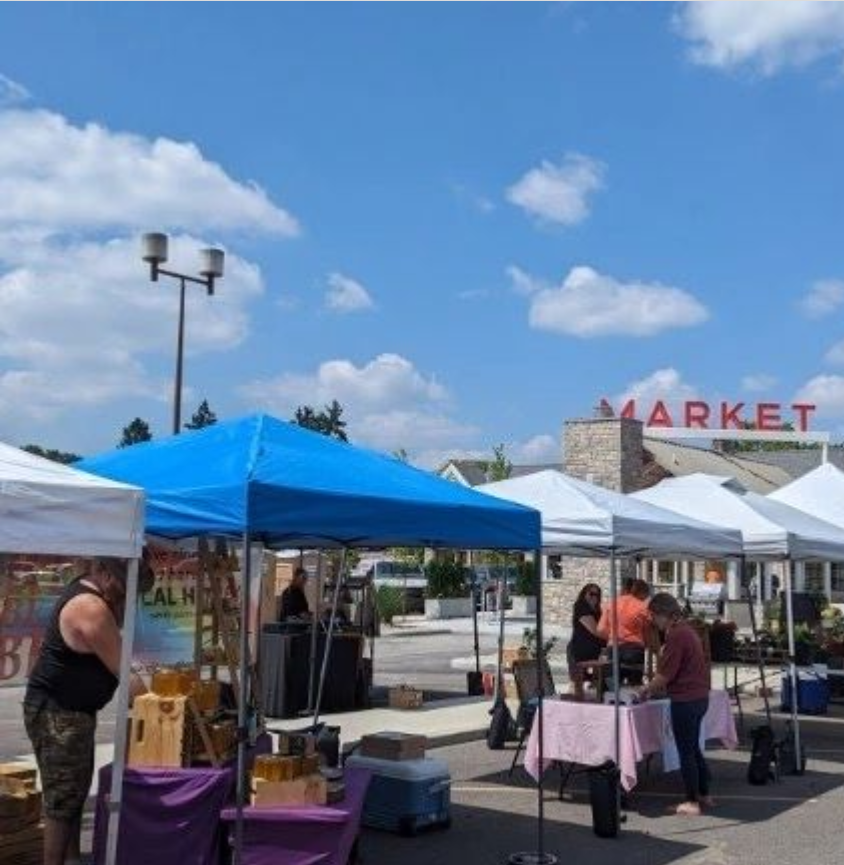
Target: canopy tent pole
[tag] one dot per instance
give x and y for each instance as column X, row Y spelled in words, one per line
column 475, row 599
column 792, row 666
column 616, row 675
column 759, row 659
column 540, row 678
column 116, row 796
column 243, row 719
column 328, row 637
column 314, row 630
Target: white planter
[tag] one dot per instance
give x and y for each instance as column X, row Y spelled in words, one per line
column 448, row 608
column 523, row 605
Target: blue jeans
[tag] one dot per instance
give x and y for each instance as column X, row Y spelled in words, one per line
column 686, row 721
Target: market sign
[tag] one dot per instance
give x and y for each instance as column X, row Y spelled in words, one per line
column 723, row 415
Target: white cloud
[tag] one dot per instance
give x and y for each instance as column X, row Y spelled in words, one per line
column 759, row 382
column 523, row 283
column 826, row 392
column 542, row 448
column 81, row 325
column 559, row 193
column 64, row 178
column 824, row 298
column 835, row 355
column 666, row 384
column 12, row 93
column 766, row 36
column 346, row 295
column 79, row 322
column 388, row 404
column 589, row 304
column 477, row 202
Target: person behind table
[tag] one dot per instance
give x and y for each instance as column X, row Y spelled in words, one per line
column 294, row 603
column 633, row 620
column 586, row 643
column 683, row 674
column 74, row 676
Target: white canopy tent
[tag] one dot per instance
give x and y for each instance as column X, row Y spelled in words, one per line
column 770, row 529
column 582, row 519
column 53, row 509
column 820, row 493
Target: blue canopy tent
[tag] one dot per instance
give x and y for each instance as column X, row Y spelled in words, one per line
column 260, row 479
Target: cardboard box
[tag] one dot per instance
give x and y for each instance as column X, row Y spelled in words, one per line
column 405, row 697
column 306, row 790
column 390, row 745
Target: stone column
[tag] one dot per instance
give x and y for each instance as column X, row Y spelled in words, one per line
column 606, row 452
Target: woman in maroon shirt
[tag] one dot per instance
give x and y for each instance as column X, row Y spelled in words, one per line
column 683, row 675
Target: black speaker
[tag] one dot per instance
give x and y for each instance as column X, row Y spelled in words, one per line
column 474, row 684
column 604, row 798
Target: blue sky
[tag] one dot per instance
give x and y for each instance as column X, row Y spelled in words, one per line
column 466, row 222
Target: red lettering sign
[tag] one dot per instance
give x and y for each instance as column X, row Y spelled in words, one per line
column 697, row 414
column 659, row 415
column 629, row 409
column 730, row 416
column 768, row 416
column 802, row 409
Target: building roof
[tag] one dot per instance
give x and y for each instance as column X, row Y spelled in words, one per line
column 682, row 459
column 474, row 472
column 797, row 463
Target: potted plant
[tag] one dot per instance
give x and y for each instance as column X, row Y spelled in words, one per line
column 448, row 592
column 805, row 645
column 528, row 649
column 524, row 596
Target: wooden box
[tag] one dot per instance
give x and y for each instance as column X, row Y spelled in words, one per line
column 159, row 734
column 393, row 746
column 305, row 790
column 405, row 697
column 25, row 772
column 24, row 846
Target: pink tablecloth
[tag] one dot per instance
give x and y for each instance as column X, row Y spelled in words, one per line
column 584, row 733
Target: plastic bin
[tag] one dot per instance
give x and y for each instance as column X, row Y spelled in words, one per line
column 405, row 796
column 812, row 692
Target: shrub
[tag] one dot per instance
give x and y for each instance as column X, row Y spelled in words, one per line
column 389, row 602
column 526, row 578
column 446, row 579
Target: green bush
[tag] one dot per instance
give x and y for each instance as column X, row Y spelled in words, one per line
column 446, row 579
column 389, row 602
column 526, row 578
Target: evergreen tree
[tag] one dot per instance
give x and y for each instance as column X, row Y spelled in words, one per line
column 137, row 431
column 328, row 422
column 202, row 417
column 51, row 454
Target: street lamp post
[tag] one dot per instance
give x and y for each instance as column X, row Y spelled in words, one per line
column 154, row 252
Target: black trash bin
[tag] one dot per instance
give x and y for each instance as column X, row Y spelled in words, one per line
column 604, row 798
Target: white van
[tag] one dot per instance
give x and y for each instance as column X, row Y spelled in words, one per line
column 407, row 577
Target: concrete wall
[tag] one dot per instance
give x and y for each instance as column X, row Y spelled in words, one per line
column 607, row 452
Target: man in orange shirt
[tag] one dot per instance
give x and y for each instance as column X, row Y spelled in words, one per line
column 633, row 620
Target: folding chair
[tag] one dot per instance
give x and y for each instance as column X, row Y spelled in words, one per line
column 528, row 690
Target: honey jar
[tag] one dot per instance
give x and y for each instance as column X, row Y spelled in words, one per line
column 206, row 694
column 310, row 764
column 166, row 682
column 261, row 766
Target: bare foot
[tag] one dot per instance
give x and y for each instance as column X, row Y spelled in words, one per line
column 688, row 809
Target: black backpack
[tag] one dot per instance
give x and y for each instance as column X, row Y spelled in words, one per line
column 500, row 726
column 763, row 756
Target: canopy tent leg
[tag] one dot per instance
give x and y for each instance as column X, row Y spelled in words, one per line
column 328, row 637
column 314, row 628
column 792, row 666
column 759, row 659
column 116, row 796
column 616, row 676
column 243, row 708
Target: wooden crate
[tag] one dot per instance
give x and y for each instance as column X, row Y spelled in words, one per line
column 25, row 772
column 23, row 847
column 159, row 732
column 405, row 697
column 393, row 746
column 305, row 790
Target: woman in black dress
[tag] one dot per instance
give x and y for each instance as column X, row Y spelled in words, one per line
column 585, row 643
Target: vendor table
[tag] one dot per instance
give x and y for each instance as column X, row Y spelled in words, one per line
column 584, row 734
column 311, row 835
column 285, row 669
column 168, row 816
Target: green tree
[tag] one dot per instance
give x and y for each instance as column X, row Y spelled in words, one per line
column 202, row 417
column 401, row 455
column 136, row 432
column 329, row 422
column 499, row 468
column 740, row 447
column 51, row 454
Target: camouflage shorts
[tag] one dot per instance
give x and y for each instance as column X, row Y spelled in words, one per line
column 64, row 750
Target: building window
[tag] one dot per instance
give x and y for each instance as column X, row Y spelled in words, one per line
column 837, row 593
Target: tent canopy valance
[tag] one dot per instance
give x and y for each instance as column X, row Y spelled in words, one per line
column 579, row 518
column 770, row 529
column 288, row 486
column 52, row 509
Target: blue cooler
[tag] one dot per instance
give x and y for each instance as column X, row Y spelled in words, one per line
column 812, row 692
column 405, row 796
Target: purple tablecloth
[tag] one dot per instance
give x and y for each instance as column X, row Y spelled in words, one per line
column 313, row 835
column 169, row 816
